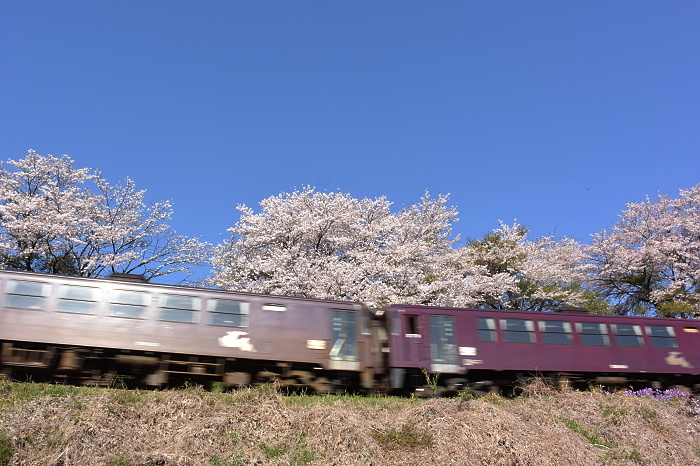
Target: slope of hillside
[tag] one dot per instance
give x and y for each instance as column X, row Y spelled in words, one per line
column 63, row 425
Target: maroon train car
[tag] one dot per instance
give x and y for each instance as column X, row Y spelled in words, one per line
column 95, row 330
column 486, row 349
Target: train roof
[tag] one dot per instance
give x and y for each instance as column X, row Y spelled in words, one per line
column 130, row 280
column 567, row 312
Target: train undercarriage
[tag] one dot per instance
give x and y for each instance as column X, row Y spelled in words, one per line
column 131, row 369
column 24, row 361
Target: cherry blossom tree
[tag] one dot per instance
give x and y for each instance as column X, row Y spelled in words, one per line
column 333, row 246
column 507, row 271
column 58, row 219
column 649, row 261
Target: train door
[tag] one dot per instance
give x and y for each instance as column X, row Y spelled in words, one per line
column 413, row 339
column 344, row 353
column 443, row 348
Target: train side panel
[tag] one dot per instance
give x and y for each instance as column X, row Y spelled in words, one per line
column 183, row 331
column 471, row 344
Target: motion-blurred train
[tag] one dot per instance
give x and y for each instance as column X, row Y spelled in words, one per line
column 122, row 330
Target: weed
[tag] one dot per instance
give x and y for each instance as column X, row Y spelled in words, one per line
column 465, row 395
column 217, row 461
column 120, row 459
column 5, row 449
column 615, row 414
column 55, row 439
column 696, row 451
column 271, row 452
column 614, row 456
column 431, row 380
column 493, row 398
column 535, row 387
column 592, row 435
column 376, row 401
column 595, row 387
column 269, row 391
column 407, row 436
column 129, row 396
column 303, row 454
column 17, row 392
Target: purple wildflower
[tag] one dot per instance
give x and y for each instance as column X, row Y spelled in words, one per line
column 670, row 395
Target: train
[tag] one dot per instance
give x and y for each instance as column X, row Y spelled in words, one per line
column 124, row 331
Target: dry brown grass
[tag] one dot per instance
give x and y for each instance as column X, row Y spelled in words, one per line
column 70, row 426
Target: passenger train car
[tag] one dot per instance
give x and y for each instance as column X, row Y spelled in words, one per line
column 98, row 330
column 484, row 350
column 107, row 331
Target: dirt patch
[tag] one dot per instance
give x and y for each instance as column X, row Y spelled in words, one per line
column 54, row 425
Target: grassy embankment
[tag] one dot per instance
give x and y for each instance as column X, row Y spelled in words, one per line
column 65, row 425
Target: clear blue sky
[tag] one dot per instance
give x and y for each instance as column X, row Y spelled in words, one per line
column 552, row 112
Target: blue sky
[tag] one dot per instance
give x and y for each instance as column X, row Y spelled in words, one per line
column 555, row 113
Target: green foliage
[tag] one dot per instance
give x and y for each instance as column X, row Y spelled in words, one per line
column 592, row 435
column 494, row 241
column 648, row 413
column 273, row 452
column 431, row 380
column 678, row 308
column 119, row 459
column 131, row 396
column 12, row 393
column 494, row 399
column 407, row 436
column 375, row 401
column 466, row 395
column 595, row 302
column 5, row 449
column 626, row 456
column 303, row 454
column 615, row 414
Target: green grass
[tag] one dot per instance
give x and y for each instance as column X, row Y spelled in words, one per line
column 12, row 393
column 119, row 459
column 5, row 449
column 273, row 452
column 627, row 456
column 494, row 399
column 592, row 435
column 616, row 415
column 378, row 401
column 407, row 436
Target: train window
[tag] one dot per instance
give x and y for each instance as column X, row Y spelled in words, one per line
column 395, row 323
column 78, row 299
column 662, row 336
column 412, row 325
column 179, row 308
column 24, row 294
column 443, row 349
column 228, row 313
column 628, row 335
column 127, row 303
column 556, row 332
column 487, row 329
column 343, row 327
column 518, row 330
column 593, row 333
